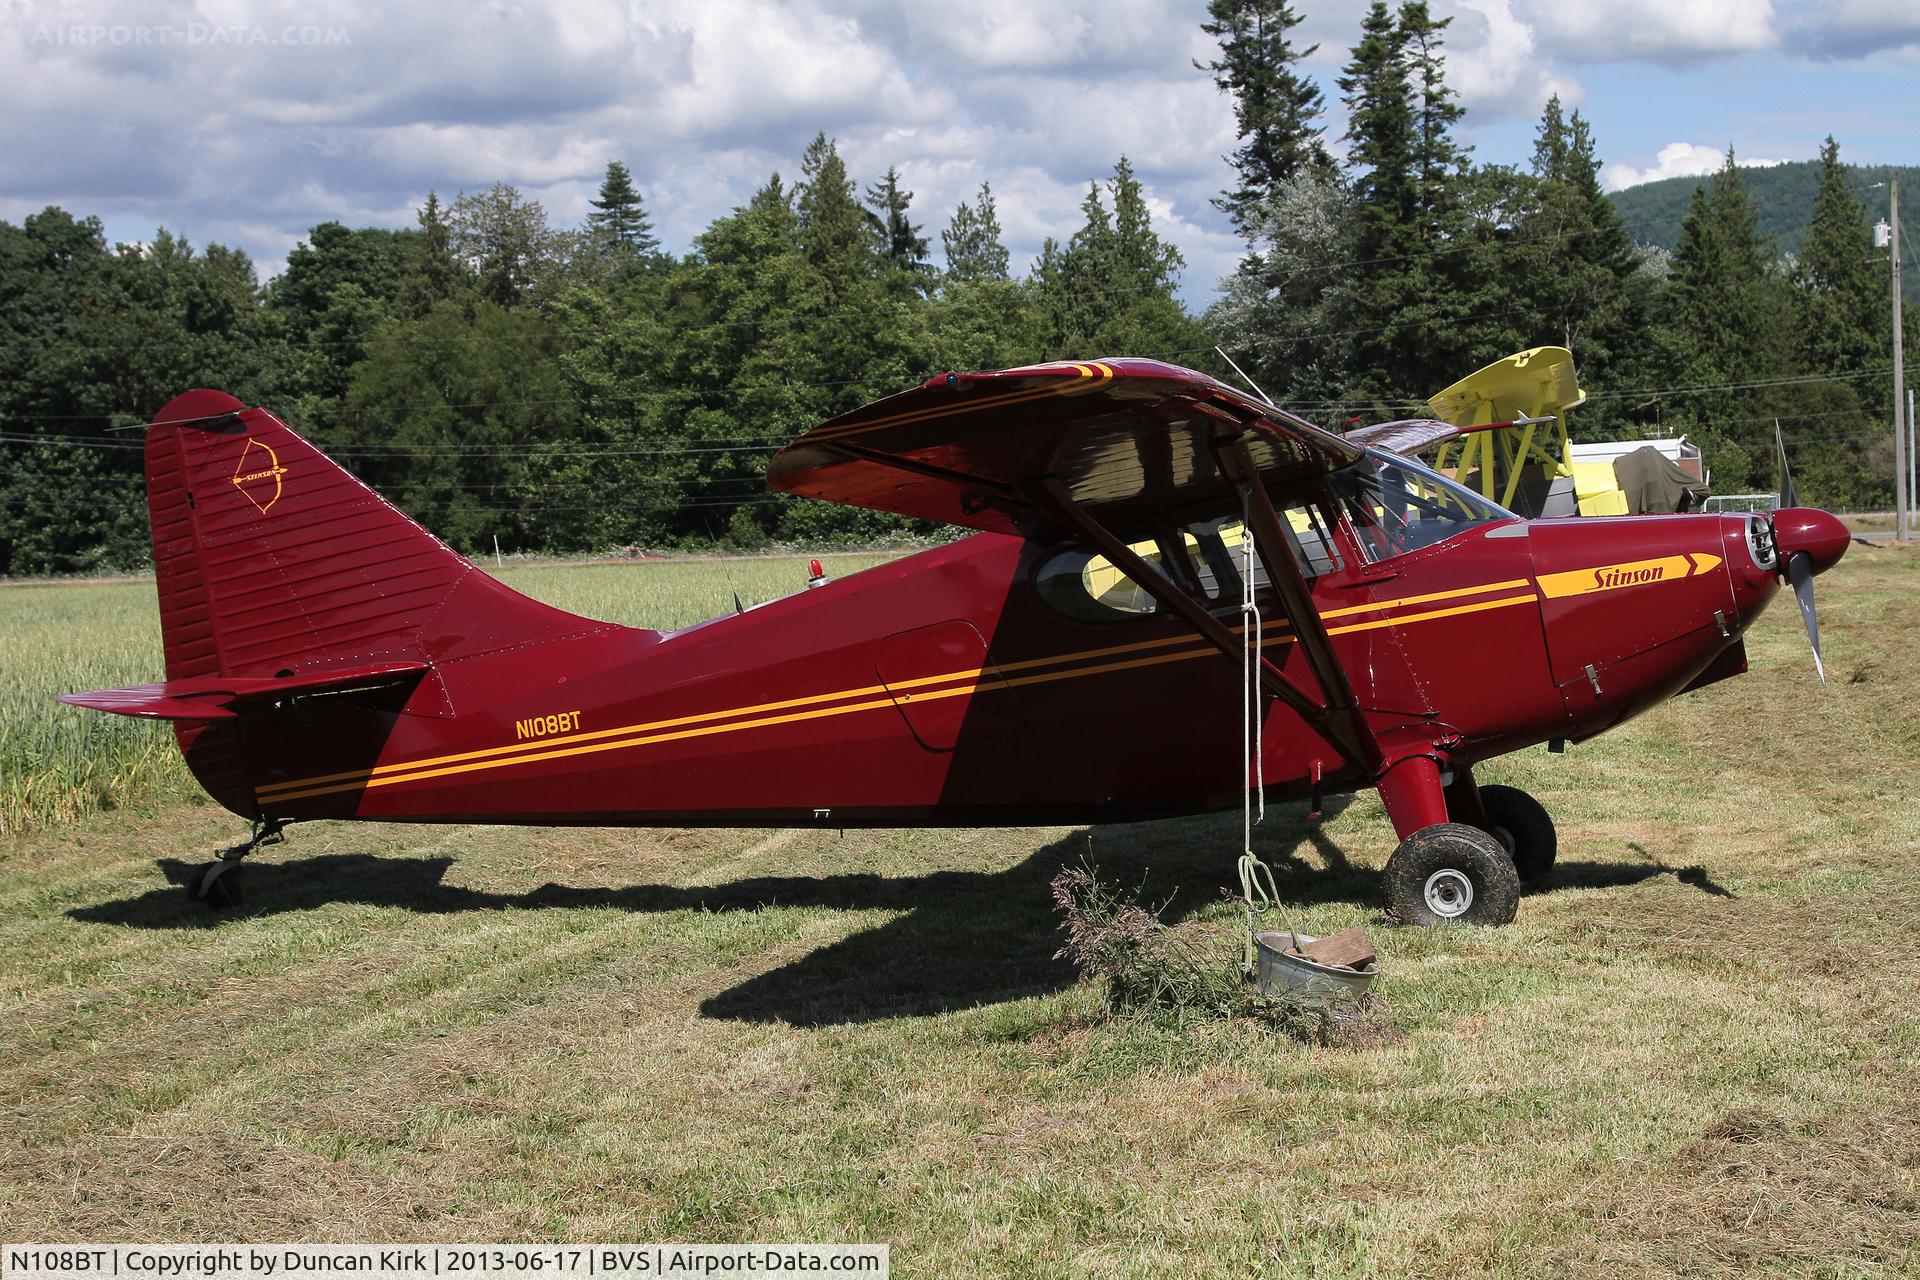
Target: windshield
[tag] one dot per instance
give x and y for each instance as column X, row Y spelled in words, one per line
column 1397, row 505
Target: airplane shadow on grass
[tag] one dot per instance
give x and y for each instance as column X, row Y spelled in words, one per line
column 965, row 938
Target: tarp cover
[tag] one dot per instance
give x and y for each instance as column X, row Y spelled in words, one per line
column 1655, row 484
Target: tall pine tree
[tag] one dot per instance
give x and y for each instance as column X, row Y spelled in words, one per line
column 1438, row 159
column 432, row 274
column 619, row 220
column 900, row 240
column 973, row 243
column 1275, row 108
column 1842, row 326
column 1572, row 269
column 1110, row 289
column 1724, row 328
column 1381, row 129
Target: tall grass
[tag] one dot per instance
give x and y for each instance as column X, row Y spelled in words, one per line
column 59, row 763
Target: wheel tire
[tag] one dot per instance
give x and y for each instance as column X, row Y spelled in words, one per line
column 1450, row 873
column 1523, row 827
column 220, row 892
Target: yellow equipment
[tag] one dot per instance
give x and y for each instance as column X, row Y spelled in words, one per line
column 1526, row 467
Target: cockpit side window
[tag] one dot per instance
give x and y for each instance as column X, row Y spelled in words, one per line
column 1397, row 505
column 1207, row 559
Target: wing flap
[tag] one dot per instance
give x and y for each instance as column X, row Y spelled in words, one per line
column 224, row 697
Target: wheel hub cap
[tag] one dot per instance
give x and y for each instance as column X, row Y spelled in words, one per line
column 1449, row 893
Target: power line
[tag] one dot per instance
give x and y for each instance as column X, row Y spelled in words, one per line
column 565, row 448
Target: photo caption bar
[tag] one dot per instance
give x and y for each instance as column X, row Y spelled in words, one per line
column 458, row 1262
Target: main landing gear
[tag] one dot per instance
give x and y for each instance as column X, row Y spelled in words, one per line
column 218, row 883
column 1465, row 851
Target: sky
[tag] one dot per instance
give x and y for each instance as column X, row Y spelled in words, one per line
column 248, row 121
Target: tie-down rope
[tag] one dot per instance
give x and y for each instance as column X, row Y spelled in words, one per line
column 1258, row 892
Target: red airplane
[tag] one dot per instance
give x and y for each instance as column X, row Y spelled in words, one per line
column 1086, row 657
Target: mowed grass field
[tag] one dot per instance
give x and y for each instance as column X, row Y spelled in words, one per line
column 1697, row 1052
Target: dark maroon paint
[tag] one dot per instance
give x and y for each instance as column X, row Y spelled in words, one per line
column 392, row 679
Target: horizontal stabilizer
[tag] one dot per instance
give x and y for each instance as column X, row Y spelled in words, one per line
column 224, row 697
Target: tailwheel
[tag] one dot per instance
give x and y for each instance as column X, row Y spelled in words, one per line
column 1521, row 824
column 218, row 884
column 1450, row 873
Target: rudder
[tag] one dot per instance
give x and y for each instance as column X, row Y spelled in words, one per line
column 273, row 562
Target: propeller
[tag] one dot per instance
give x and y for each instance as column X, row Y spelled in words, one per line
column 1804, row 540
column 1800, row 574
column 1789, row 496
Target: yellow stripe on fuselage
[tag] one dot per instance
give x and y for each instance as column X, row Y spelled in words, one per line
column 1085, row 663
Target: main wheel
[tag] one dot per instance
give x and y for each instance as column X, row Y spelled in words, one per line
column 217, row 884
column 1450, row 873
column 1520, row 823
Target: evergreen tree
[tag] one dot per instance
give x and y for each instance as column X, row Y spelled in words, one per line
column 1437, row 159
column 1381, row 129
column 1381, row 295
column 1842, row 325
column 432, row 274
column 972, row 241
column 831, row 223
column 619, row 220
column 1725, row 325
column 1073, row 281
column 900, row 241
column 1275, row 107
column 1550, row 143
column 1573, row 268
column 1719, row 277
column 1608, row 243
column 1110, row 288
column 1140, row 258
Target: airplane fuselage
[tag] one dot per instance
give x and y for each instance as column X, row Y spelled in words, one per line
column 946, row 688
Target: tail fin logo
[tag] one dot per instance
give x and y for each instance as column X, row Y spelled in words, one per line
column 257, row 475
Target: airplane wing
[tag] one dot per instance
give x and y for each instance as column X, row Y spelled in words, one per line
column 1406, row 436
column 1120, row 436
column 1087, row 449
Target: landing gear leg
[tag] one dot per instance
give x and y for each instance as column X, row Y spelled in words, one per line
column 218, row 883
column 1444, row 871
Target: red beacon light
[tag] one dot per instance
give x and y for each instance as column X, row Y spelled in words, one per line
column 816, row 576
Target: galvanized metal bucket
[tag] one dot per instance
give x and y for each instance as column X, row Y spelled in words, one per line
column 1296, row 977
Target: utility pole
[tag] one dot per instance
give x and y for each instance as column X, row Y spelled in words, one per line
column 1913, row 453
column 1900, row 490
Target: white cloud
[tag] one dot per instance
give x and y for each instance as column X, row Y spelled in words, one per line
column 1677, row 160
column 1494, row 63
column 251, row 137
column 1834, row 29
column 1663, row 31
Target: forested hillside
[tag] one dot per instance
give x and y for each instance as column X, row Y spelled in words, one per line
column 579, row 388
column 1782, row 196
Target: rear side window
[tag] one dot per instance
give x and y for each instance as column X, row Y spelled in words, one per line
column 1085, row 586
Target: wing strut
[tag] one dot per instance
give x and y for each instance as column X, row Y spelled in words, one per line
column 1338, row 728
column 1284, row 572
